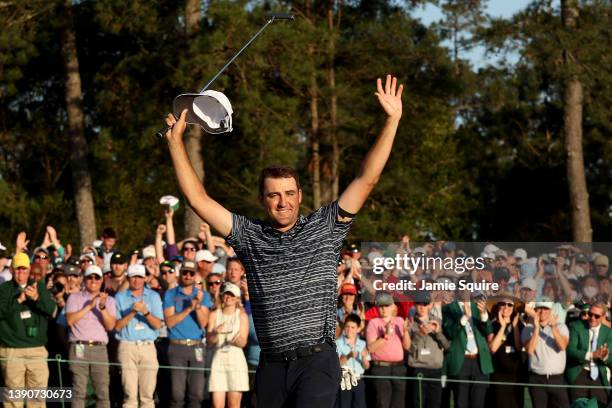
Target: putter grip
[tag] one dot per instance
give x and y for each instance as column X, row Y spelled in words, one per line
column 162, row 132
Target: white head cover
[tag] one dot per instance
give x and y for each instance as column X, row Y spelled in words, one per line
column 210, row 109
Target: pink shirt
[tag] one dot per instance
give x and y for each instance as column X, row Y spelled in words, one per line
column 90, row 327
column 392, row 351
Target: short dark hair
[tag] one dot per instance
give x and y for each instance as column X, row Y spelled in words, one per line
column 277, row 172
column 109, row 233
column 353, row 318
column 233, row 259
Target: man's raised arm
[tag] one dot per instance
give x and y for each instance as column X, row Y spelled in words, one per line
column 208, row 209
column 355, row 195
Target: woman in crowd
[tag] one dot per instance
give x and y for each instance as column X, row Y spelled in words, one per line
column 348, row 305
column 228, row 329
column 505, row 345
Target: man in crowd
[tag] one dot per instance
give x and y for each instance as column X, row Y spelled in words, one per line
column 387, row 337
column 107, row 249
column 545, row 342
column 466, row 324
column 117, row 281
column 205, row 260
column 294, row 318
column 25, row 307
column 139, row 316
column 588, row 356
column 90, row 314
column 601, row 264
column 42, row 258
column 186, row 312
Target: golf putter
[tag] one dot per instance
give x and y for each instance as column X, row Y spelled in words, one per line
column 185, row 101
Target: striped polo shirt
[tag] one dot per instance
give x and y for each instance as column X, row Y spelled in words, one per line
column 292, row 277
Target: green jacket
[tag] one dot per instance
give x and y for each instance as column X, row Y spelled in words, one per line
column 24, row 325
column 578, row 347
column 455, row 332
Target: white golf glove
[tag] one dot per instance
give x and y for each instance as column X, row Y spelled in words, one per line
column 348, row 379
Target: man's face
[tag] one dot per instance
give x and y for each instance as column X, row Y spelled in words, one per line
column 21, row 275
column 118, row 269
column 281, row 200
column 602, row 270
column 168, row 274
column 214, row 284
column 527, row 294
column 385, row 310
column 205, row 267
column 93, row 283
column 187, row 277
column 108, row 242
column 74, row 282
column 234, row 272
column 42, row 259
column 422, row 309
column 136, row 282
column 595, row 316
column 543, row 314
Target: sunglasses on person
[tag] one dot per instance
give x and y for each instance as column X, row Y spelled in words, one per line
column 217, row 282
column 166, row 271
column 190, row 273
column 508, row 304
column 43, row 257
column 191, row 249
column 86, row 260
column 595, row 315
column 94, row 277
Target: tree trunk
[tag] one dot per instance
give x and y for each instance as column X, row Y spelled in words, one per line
column 194, row 136
column 572, row 127
column 314, row 140
column 81, row 179
column 333, row 115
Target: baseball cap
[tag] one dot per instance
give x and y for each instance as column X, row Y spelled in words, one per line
column 118, row 258
column 490, row 248
column 231, row 288
column 136, row 270
column 384, row 299
column 71, row 269
column 189, row 266
column 88, row 255
column 348, row 289
column 41, row 249
column 93, row 270
column 500, row 253
column 205, row 255
column 520, row 254
column 529, row 283
column 148, row 252
column 20, row 260
column 209, row 109
column 218, row 269
column 544, row 302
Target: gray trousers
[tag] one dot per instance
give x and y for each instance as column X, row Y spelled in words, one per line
column 186, row 384
column 82, row 371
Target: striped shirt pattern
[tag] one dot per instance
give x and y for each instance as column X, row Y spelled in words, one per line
column 292, row 277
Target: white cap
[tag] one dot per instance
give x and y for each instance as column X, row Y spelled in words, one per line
column 148, row 252
column 136, row 270
column 210, row 109
column 93, row 270
column 218, row 269
column 205, row 255
column 2, row 247
column 88, row 255
column 520, row 254
column 529, row 283
column 490, row 248
column 231, row 288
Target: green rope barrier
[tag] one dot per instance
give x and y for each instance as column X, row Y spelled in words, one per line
column 420, row 380
column 58, row 358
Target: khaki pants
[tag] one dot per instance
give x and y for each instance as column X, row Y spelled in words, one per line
column 24, row 368
column 138, row 373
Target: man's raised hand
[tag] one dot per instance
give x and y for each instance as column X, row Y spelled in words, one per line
column 390, row 97
column 177, row 128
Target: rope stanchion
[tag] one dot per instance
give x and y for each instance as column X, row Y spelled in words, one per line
column 58, row 359
column 420, row 382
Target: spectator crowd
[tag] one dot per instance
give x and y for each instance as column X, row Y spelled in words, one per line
column 116, row 317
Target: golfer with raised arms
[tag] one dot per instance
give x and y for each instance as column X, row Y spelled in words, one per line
column 291, row 262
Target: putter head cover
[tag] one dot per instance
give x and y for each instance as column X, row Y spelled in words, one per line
column 209, row 109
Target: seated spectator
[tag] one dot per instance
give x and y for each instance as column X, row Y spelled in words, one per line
column 426, row 354
column 387, row 338
column 90, row 314
column 139, row 316
column 545, row 342
column 505, row 345
column 228, row 330
column 588, row 356
column 25, row 307
column 353, row 354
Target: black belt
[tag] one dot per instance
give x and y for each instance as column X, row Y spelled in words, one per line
column 294, row 354
column 90, row 343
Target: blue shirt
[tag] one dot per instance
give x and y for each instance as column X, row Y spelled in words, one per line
column 344, row 348
column 138, row 328
column 188, row 328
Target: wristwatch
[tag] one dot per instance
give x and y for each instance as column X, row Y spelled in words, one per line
column 102, row 307
column 146, row 314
